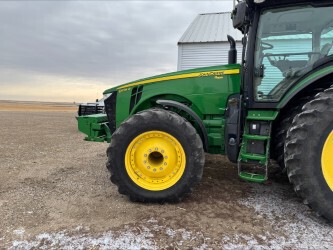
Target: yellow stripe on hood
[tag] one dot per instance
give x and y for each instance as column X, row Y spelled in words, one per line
column 182, row 76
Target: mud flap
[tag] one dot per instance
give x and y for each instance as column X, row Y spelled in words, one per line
column 232, row 128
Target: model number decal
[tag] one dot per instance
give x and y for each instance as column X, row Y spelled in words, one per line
column 123, row 90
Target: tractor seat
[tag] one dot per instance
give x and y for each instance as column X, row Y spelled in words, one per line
column 296, row 72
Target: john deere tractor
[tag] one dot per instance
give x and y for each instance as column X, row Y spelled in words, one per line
column 277, row 104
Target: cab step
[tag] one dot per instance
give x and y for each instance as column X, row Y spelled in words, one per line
column 253, row 157
column 254, row 150
column 259, row 178
column 256, row 137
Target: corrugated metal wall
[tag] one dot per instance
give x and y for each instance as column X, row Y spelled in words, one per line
column 210, row 27
column 196, row 55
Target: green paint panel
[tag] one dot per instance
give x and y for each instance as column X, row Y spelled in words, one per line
column 178, row 73
column 215, row 142
column 213, row 123
column 256, row 137
column 206, row 95
column 95, row 127
column 262, row 115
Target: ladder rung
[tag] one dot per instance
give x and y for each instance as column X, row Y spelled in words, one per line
column 254, row 157
column 252, row 177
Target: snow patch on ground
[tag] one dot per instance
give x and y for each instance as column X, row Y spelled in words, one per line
column 19, row 231
column 130, row 237
column 290, row 225
column 294, row 224
column 62, row 240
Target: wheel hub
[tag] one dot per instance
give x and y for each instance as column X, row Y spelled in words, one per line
column 327, row 160
column 155, row 160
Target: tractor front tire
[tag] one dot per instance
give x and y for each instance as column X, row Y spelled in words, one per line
column 309, row 154
column 155, row 156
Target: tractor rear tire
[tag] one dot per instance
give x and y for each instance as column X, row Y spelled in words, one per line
column 309, row 154
column 280, row 133
column 155, row 156
column 283, row 124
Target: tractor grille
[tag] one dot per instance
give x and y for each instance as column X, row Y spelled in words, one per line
column 135, row 96
column 110, row 109
column 90, row 109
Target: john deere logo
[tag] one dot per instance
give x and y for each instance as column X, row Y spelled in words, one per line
column 216, row 73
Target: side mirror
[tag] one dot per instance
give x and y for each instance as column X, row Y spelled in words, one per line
column 238, row 15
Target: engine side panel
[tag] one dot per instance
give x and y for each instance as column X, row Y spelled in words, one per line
column 204, row 90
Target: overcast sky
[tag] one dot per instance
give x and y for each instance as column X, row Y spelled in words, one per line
column 73, row 50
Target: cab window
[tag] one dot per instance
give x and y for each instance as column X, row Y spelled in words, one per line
column 289, row 42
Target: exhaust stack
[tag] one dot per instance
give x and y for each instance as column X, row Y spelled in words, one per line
column 232, row 59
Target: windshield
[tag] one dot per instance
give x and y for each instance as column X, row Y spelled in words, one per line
column 290, row 43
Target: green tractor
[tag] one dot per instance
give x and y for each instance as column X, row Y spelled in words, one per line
column 277, row 104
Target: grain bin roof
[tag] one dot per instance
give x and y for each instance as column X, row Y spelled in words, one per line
column 210, row 27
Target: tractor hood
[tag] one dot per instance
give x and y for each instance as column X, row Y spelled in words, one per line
column 192, row 73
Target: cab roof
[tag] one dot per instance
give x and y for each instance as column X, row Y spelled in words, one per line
column 273, row 3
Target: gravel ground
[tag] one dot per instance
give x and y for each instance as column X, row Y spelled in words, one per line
column 55, row 193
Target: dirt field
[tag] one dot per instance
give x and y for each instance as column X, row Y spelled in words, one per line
column 55, row 193
column 36, row 106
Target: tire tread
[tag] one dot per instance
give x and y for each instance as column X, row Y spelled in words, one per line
column 305, row 126
column 144, row 117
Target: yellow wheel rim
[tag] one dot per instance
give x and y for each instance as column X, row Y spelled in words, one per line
column 327, row 161
column 155, row 160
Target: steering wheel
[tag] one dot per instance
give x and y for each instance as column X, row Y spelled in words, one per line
column 268, row 46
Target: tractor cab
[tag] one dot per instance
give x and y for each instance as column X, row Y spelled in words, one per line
column 284, row 41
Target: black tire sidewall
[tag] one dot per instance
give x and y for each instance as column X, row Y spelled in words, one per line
column 310, row 178
column 168, row 126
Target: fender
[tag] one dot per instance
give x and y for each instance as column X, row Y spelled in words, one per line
column 190, row 112
column 307, row 81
